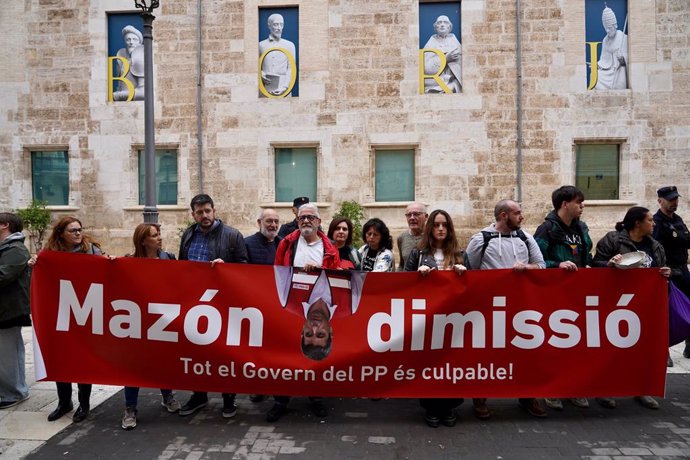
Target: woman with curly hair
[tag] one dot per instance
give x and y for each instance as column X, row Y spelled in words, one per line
column 376, row 254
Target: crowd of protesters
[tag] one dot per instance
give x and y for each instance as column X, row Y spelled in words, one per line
column 562, row 241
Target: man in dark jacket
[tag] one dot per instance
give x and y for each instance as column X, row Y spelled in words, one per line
column 261, row 250
column 14, row 310
column 673, row 234
column 209, row 240
column 262, row 245
column 563, row 238
column 565, row 243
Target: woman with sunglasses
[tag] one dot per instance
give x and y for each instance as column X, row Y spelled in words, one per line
column 438, row 250
column 68, row 236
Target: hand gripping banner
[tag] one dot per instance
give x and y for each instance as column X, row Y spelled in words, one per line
column 276, row 330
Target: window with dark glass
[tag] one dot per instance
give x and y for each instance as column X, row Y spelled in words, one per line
column 597, row 170
column 394, row 175
column 295, row 173
column 50, row 177
column 166, row 176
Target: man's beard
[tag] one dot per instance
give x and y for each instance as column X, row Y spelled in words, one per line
column 306, row 231
column 269, row 234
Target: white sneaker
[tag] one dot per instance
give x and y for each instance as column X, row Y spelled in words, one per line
column 171, row 404
column 554, row 403
column 579, row 402
column 129, row 420
column 648, row 402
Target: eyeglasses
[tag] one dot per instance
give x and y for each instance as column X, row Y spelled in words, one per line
column 413, row 214
column 75, row 230
column 307, row 217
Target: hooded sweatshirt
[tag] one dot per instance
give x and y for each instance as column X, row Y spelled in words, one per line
column 503, row 250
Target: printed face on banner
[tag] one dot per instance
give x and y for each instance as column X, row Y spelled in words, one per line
column 319, row 297
column 125, row 57
column 606, row 29
column 278, row 45
column 440, row 55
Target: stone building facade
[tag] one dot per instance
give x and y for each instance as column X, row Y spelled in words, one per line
column 358, row 94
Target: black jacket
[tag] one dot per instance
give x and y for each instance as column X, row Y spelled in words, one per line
column 225, row 243
column 619, row 242
column 674, row 236
column 260, row 250
column 14, row 282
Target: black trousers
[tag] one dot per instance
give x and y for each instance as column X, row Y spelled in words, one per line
column 64, row 391
column 440, row 406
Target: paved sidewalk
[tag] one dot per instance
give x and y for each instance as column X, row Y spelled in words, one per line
column 25, row 427
column 355, row 428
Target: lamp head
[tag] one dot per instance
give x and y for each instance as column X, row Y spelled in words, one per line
column 146, row 6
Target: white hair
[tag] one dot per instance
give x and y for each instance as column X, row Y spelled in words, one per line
column 311, row 206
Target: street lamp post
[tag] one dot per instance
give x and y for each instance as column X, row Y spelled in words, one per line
column 150, row 209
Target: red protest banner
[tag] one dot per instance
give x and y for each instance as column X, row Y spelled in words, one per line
column 238, row 328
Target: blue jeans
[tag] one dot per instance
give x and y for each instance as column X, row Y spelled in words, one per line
column 132, row 395
column 12, row 372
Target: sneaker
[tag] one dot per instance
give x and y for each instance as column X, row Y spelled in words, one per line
column 669, row 361
column 276, row 412
column 8, row 404
column 582, row 403
column 554, row 403
column 608, row 403
column 481, row 410
column 432, row 420
column 170, row 403
column 449, row 419
column 257, row 398
column 686, row 351
column 532, row 406
column 648, row 402
column 229, row 407
column 129, row 420
column 318, row 409
column 196, row 402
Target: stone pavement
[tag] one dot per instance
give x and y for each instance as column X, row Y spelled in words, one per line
column 355, row 428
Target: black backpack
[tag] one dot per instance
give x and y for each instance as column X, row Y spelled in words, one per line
column 488, row 236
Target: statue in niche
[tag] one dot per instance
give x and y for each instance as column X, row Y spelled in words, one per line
column 612, row 64
column 133, row 53
column 277, row 66
column 447, row 43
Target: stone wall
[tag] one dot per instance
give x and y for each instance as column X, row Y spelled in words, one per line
column 358, row 89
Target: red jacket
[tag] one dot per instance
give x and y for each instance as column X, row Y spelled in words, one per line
column 285, row 254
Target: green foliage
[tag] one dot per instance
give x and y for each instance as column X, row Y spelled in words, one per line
column 355, row 212
column 36, row 220
column 185, row 225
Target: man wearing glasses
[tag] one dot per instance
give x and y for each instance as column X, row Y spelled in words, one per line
column 310, row 249
column 416, row 218
column 307, row 247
